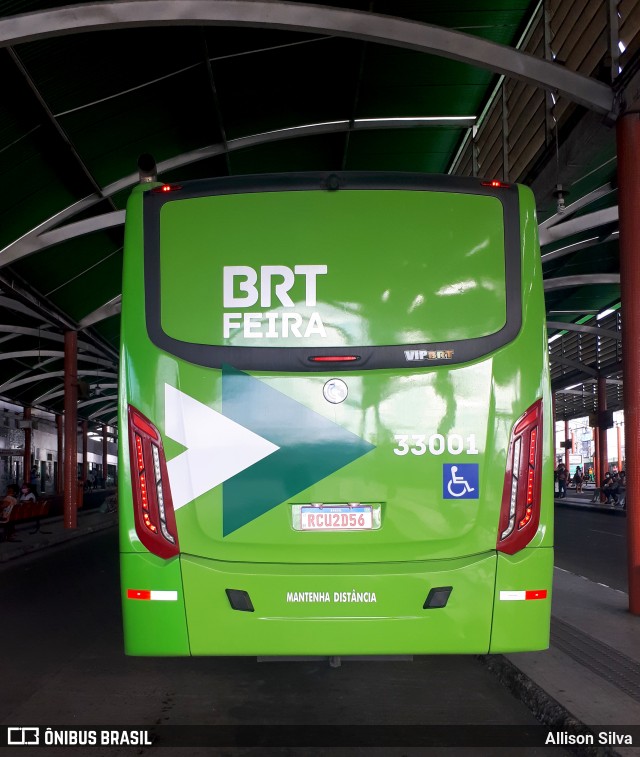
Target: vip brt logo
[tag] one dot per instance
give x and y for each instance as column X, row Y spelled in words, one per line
column 460, row 481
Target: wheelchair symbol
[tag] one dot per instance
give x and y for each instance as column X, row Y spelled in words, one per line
column 463, row 485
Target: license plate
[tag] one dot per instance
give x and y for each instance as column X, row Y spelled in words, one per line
column 335, row 518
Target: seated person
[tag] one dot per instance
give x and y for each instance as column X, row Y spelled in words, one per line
column 6, row 507
column 610, row 488
column 621, row 489
column 26, row 493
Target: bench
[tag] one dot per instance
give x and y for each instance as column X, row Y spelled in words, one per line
column 30, row 511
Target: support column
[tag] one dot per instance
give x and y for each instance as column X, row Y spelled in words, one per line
column 620, row 460
column 70, row 429
column 104, row 455
column 628, row 147
column 602, row 430
column 596, row 456
column 26, row 474
column 566, row 449
column 85, row 444
column 60, row 475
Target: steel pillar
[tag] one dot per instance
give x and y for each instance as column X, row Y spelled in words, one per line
column 60, row 475
column 70, row 493
column 628, row 148
column 85, row 444
column 620, row 460
column 104, row 455
column 26, row 472
column 566, row 449
column 602, row 432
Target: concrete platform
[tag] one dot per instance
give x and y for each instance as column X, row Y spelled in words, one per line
column 590, row 675
column 584, row 500
column 53, row 532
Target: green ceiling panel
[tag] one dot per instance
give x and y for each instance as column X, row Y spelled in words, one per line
column 85, row 107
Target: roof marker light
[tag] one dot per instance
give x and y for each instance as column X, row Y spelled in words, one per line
column 165, row 188
column 495, row 184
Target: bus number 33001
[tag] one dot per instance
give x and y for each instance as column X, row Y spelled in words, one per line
column 436, row 444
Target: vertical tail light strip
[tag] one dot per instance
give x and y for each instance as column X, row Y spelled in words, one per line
column 520, row 509
column 152, row 503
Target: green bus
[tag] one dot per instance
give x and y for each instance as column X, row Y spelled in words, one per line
column 335, row 418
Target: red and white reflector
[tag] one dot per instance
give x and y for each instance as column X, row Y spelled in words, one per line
column 515, row 596
column 152, row 503
column 520, row 509
column 153, row 595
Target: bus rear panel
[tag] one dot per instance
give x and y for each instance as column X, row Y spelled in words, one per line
column 334, row 413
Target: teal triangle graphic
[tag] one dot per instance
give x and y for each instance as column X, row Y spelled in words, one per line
column 311, row 448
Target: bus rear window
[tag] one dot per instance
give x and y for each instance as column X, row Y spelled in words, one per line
column 319, row 269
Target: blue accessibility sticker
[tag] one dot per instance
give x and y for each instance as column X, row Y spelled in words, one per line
column 460, row 481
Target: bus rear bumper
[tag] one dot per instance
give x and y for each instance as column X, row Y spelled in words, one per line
column 337, row 610
column 191, row 605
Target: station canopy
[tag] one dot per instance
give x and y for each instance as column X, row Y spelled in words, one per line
column 508, row 89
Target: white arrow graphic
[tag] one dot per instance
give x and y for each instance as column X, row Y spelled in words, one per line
column 217, row 448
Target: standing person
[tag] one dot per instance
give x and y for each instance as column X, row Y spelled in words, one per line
column 561, row 475
column 6, row 506
column 578, row 478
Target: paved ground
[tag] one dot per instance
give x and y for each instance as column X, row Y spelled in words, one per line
column 67, row 661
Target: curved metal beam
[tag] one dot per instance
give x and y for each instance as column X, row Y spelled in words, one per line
column 301, row 17
column 94, row 400
column 52, row 374
column 55, row 393
column 581, row 367
column 54, row 353
column 577, row 246
column 46, row 235
column 109, row 309
column 580, row 203
column 584, row 329
column 42, row 334
column 102, row 411
column 577, row 225
column 37, row 242
column 564, row 282
column 11, row 304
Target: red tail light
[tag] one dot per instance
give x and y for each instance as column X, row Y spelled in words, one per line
column 520, row 510
column 152, row 503
column 333, row 358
